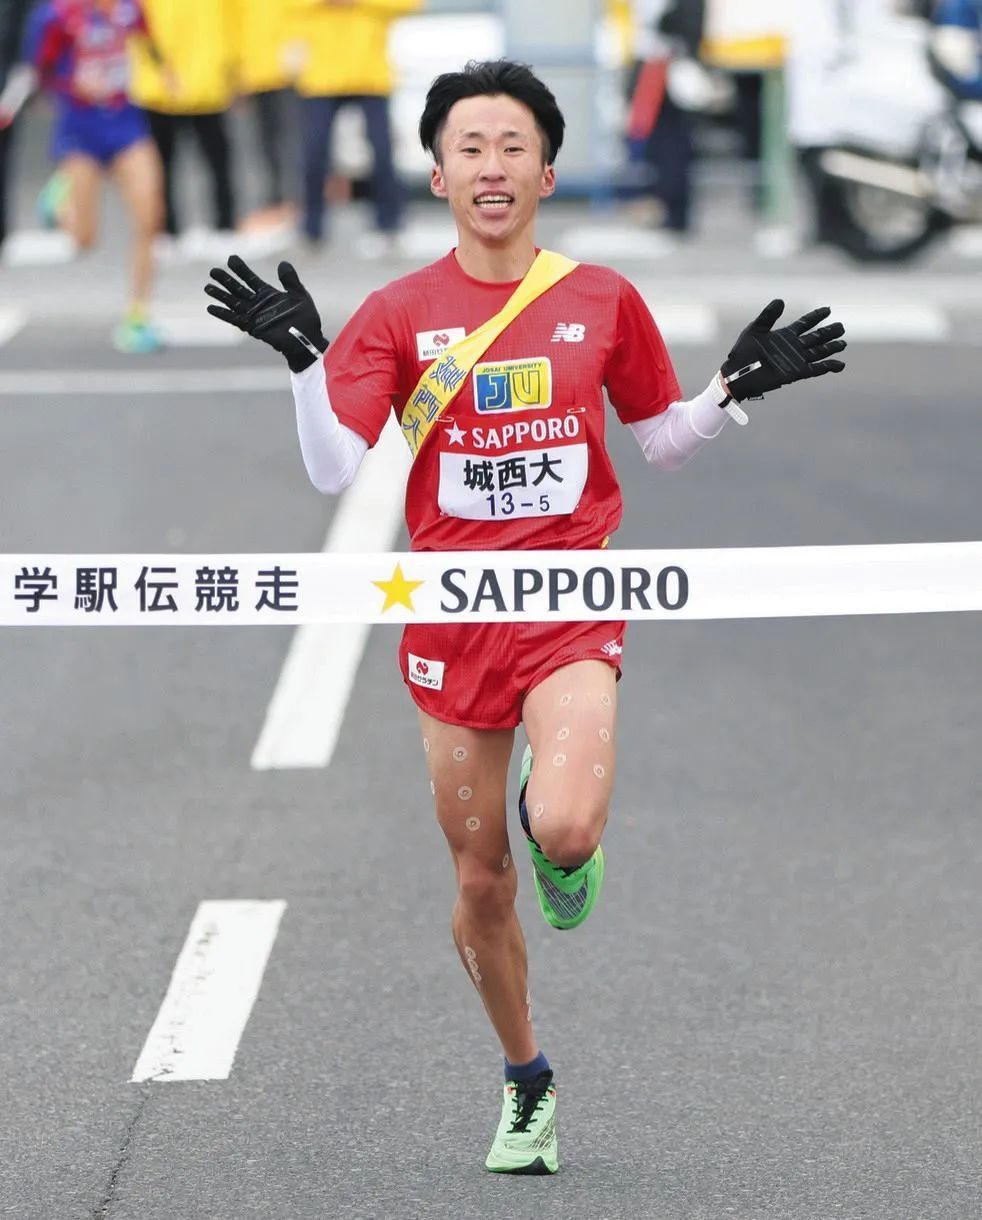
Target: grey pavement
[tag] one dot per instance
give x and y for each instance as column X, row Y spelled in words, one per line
column 772, row 1015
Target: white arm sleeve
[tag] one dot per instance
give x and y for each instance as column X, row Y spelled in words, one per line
column 332, row 452
column 21, row 83
column 668, row 440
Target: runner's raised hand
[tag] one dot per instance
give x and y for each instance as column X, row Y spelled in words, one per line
column 764, row 359
column 286, row 319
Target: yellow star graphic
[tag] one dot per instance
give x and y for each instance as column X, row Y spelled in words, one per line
column 398, row 591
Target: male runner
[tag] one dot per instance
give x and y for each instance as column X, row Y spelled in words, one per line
column 494, row 131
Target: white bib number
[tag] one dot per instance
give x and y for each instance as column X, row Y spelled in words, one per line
column 530, row 483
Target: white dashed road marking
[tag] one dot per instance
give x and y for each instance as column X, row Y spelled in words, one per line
column 38, row 248
column 132, row 382
column 12, row 321
column 886, row 323
column 600, row 243
column 308, row 705
column 185, row 328
column 211, row 993
column 684, row 324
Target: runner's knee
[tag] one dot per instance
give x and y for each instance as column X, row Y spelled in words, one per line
column 570, row 841
column 567, row 823
column 487, row 890
column 148, row 219
column 572, row 777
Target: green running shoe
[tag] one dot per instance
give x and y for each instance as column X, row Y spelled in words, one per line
column 136, row 336
column 525, row 1141
column 52, row 199
column 566, row 895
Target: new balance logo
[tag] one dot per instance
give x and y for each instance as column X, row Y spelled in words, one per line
column 569, row 332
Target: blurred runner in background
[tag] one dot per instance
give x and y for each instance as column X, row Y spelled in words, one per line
column 13, row 15
column 198, row 40
column 78, row 49
column 265, row 72
column 346, row 63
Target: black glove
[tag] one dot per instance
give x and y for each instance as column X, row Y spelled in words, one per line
column 287, row 321
column 763, row 359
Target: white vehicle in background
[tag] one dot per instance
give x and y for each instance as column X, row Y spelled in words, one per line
column 891, row 158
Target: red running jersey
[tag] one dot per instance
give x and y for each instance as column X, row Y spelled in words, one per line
column 518, row 460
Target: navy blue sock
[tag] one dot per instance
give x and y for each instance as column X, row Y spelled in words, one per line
column 527, row 1071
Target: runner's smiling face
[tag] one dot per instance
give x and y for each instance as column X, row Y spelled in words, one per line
column 492, row 169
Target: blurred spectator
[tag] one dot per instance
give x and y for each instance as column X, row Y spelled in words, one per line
column 659, row 129
column 619, row 16
column 79, row 50
column 13, row 14
column 346, row 63
column 749, row 88
column 265, row 73
column 197, row 39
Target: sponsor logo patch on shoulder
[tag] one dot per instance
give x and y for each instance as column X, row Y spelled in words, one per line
column 433, row 343
column 424, row 672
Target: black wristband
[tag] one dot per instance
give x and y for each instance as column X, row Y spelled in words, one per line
column 305, row 352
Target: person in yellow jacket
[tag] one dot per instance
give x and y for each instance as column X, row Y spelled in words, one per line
column 197, row 40
column 265, row 70
column 344, row 60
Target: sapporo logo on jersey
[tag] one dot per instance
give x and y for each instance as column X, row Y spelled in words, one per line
column 513, row 385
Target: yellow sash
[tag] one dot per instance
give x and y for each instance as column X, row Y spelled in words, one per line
column 439, row 384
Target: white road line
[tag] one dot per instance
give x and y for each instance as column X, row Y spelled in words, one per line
column 885, row 322
column 597, row 243
column 865, row 322
column 211, row 993
column 693, row 324
column 38, row 248
column 197, row 329
column 134, row 381
column 426, row 242
column 12, row 322
column 308, row 705
column 738, row 294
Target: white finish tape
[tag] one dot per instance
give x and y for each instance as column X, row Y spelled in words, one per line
column 476, row 586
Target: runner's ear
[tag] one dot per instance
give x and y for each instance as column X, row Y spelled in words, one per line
column 548, row 184
column 437, row 185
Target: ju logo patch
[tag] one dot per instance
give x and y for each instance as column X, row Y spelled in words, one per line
column 513, row 385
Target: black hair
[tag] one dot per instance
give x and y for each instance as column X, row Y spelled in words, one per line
column 485, row 78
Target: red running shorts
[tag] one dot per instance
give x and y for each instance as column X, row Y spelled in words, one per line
column 478, row 674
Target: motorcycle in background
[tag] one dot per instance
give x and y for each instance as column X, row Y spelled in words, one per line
column 891, row 158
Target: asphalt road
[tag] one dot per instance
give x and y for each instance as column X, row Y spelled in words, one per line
column 775, row 1012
